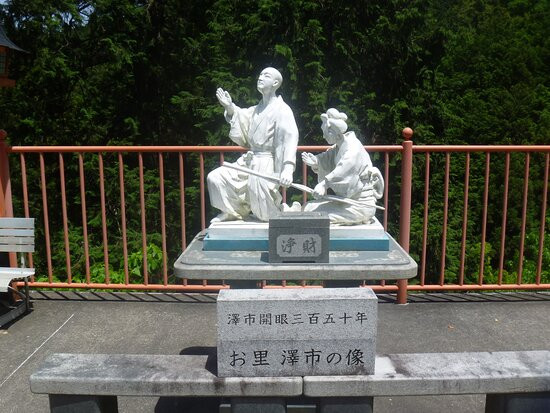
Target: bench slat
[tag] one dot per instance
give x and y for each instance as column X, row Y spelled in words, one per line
column 4, row 240
column 24, row 223
column 17, row 232
column 16, row 247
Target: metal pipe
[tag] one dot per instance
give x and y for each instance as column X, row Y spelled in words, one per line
column 542, row 219
column 193, row 149
column 65, row 219
column 143, row 220
column 202, row 191
column 464, row 220
column 123, row 217
column 182, row 201
column 104, row 219
column 445, row 218
column 163, row 222
column 26, row 201
column 46, row 218
column 84, row 216
column 425, row 224
column 484, row 217
column 523, row 217
column 504, row 216
column 405, row 205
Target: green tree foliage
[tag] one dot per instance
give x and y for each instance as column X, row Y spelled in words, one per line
column 105, row 72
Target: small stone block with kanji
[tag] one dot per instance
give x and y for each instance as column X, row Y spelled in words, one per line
column 301, row 332
column 299, row 237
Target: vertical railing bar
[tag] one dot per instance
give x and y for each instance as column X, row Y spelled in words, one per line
column 425, row 225
column 26, row 201
column 104, row 219
column 304, row 182
column 163, row 221
column 542, row 219
column 65, row 220
column 386, row 186
column 445, row 218
column 84, row 216
column 464, row 219
column 222, row 158
column 523, row 217
column 484, row 218
column 46, row 218
column 143, row 220
column 385, row 214
column 202, row 189
column 123, row 217
column 283, row 193
column 504, row 217
column 182, row 201
column 182, row 205
column 405, row 203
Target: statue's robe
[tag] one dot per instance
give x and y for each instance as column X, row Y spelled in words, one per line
column 348, row 172
column 271, row 135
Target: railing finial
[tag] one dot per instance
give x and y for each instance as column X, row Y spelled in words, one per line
column 407, row 133
column 3, row 135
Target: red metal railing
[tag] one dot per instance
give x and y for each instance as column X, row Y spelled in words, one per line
column 114, row 234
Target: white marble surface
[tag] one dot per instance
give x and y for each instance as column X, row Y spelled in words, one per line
column 269, row 130
column 257, row 229
column 346, row 169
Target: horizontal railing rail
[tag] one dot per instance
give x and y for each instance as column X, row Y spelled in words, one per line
column 117, row 217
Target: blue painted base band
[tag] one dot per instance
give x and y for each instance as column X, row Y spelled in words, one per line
column 262, row 244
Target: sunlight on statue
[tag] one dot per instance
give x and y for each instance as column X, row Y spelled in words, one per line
column 347, row 170
column 269, row 130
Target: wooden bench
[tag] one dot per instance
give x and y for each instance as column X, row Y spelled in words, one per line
column 514, row 382
column 16, row 236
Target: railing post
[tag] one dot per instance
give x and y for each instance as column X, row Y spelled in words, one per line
column 405, row 205
column 6, row 206
column 6, row 209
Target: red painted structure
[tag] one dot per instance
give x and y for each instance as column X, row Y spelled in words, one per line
column 179, row 168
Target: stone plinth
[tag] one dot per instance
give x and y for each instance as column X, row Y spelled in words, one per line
column 305, row 332
column 252, row 235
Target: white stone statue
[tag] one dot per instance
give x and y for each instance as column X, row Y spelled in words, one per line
column 345, row 168
column 269, row 130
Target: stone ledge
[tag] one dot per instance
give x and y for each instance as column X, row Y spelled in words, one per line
column 395, row 375
column 424, row 374
column 150, row 375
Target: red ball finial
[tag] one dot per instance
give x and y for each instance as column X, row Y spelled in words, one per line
column 3, row 135
column 407, row 133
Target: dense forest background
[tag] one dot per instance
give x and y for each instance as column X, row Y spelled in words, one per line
column 118, row 72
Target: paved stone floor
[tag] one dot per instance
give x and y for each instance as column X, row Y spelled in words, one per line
column 169, row 323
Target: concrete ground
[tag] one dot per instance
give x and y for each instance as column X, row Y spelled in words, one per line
column 168, row 323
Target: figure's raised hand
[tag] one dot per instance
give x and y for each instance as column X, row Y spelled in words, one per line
column 224, row 98
column 309, row 159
